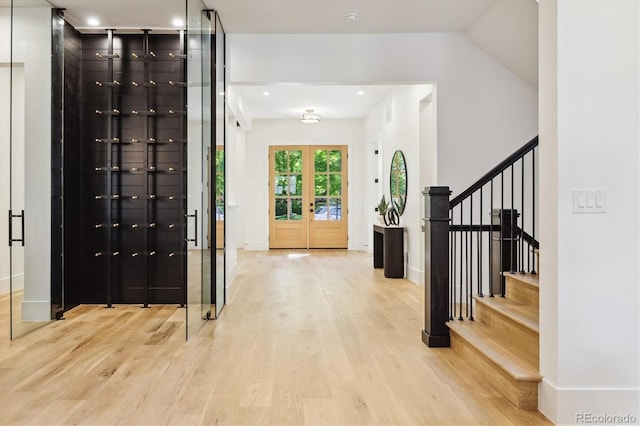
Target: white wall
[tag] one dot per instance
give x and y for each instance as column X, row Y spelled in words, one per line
column 254, row 201
column 484, row 111
column 403, row 133
column 234, row 157
column 508, row 31
column 32, row 48
column 590, row 283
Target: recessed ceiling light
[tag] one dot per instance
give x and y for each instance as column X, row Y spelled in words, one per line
column 93, row 22
column 360, row 92
column 177, row 22
column 266, row 93
column 351, row 17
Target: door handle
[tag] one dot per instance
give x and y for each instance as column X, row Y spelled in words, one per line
column 11, row 239
column 195, row 216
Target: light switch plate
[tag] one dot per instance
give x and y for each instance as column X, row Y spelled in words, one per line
column 589, row 201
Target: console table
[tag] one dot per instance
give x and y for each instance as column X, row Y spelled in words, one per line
column 388, row 250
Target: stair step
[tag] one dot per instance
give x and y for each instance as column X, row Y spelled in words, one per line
column 523, row 288
column 527, row 279
column 501, row 362
column 525, row 316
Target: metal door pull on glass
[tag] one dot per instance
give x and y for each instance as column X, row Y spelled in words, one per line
column 195, row 216
column 11, row 239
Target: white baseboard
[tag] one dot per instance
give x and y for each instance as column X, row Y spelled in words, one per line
column 570, row 406
column 36, row 310
column 357, row 246
column 264, row 245
column 415, row 275
column 232, row 274
column 5, row 284
column 256, row 245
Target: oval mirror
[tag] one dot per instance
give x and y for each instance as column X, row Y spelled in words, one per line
column 398, row 181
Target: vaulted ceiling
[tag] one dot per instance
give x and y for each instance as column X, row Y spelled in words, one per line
column 504, row 29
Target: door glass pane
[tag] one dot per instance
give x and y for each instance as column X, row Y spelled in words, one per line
column 295, row 161
column 320, row 184
column 320, row 209
column 281, row 209
column 295, row 185
column 335, row 185
column 219, row 187
column 296, row 209
column 281, row 187
column 335, row 209
column 320, row 160
column 280, row 161
column 335, row 161
column 29, row 164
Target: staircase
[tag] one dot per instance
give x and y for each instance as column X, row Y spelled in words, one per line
column 487, row 315
column 502, row 342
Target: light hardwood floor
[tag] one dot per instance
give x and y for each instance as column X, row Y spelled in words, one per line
column 308, row 337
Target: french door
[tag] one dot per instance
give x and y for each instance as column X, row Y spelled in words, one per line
column 308, row 205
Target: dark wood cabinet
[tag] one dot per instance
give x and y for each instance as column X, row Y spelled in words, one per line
column 388, row 250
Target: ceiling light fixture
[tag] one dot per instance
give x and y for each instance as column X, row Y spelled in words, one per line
column 177, row 22
column 360, row 92
column 93, row 22
column 266, row 93
column 351, row 17
column 309, row 117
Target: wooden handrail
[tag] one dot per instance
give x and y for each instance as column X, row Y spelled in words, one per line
column 521, row 152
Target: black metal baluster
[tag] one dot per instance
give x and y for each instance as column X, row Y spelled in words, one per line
column 491, row 227
column 461, row 276
column 452, row 261
column 480, row 249
column 453, row 270
column 533, row 208
column 470, row 255
column 512, row 232
column 521, row 269
column 466, row 273
column 501, row 276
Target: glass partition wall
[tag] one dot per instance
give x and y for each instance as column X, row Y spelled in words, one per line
column 26, row 52
column 218, row 169
column 198, row 146
column 115, row 203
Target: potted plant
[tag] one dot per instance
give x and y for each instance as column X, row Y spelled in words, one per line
column 382, row 210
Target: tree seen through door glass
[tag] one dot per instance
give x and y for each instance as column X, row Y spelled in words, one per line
column 219, row 184
column 335, row 185
column 281, row 209
column 295, row 161
column 287, row 183
column 280, row 161
column 327, row 182
column 296, row 209
column 335, row 161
